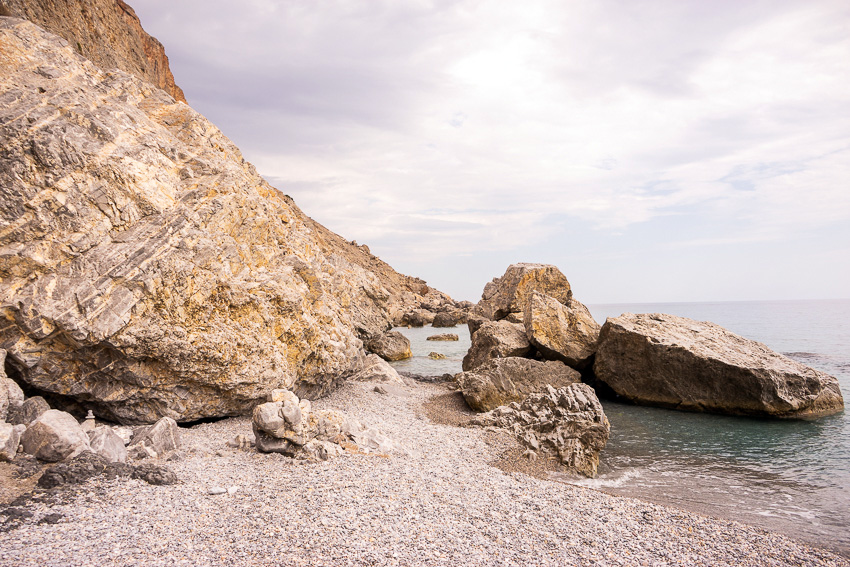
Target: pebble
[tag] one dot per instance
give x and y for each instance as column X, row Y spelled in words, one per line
column 435, row 501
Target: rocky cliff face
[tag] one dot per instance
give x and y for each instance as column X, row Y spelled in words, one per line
column 146, row 269
column 107, row 32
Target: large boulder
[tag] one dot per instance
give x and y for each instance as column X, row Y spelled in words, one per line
column 565, row 332
column 444, row 319
column 106, row 443
column 675, row 362
column 376, row 369
column 567, row 423
column 511, row 292
column 146, row 268
column 55, row 436
column 496, row 339
column 501, row 381
column 157, row 440
column 391, row 346
column 10, row 438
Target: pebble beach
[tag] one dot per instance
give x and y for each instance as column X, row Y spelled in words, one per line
column 447, row 495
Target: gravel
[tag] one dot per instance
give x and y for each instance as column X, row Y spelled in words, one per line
column 437, row 500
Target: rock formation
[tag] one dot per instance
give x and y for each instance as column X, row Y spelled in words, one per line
column 376, row 369
column 391, row 346
column 565, row 332
column 107, row 32
column 54, row 436
column 675, row 362
column 496, row 339
column 443, row 337
column 567, row 423
column 288, row 426
column 501, row 381
column 511, row 292
column 146, row 269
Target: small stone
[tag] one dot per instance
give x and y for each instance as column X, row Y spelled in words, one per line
column 216, row 490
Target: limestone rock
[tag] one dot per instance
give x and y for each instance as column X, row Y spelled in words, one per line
column 561, row 332
column 376, row 369
column 107, row 444
column 443, row 337
column 679, row 363
column 511, row 292
column 436, row 356
column 29, row 411
column 11, row 395
column 474, row 323
column 157, row 440
column 496, row 339
column 10, row 438
column 444, row 319
column 107, row 32
column 147, row 268
column 566, row 422
column 417, row 318
column 317, row 434
column 501, row 381
column 391, row 346
column 55, row 436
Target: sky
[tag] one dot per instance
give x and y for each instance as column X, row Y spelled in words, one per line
column 655, row 151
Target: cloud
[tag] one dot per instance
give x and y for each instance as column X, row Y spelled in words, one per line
column 469, row 127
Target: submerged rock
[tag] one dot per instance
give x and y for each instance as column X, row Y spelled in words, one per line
column 565, row 332
column 496, row 339
column 675, row 362
column 501, row 381
column 566, row 422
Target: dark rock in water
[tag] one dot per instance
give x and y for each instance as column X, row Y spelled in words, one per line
column 501, row 381
column 567, row 422
column 565, row 332
column 444, row 319
column 496, row 339
column 390, row 346
column 511, row 292
column 443, row 337
column 675, row 362
column 436, row 356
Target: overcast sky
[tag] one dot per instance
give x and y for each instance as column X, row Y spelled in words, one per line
column 652, row 150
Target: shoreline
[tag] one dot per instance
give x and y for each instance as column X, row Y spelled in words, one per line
column 437, row 500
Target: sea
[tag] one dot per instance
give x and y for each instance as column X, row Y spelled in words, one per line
column 790, row 476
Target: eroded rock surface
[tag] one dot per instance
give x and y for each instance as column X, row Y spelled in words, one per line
column 501, row 381
column 510, row 293
column 496, row 339
column 565, row 332
column 566, row 422
column 289, row 427
column 391, row 346
column 376, row 369
column 107, row 32
column 147, row 269
column 54, row 436
column 675, row 362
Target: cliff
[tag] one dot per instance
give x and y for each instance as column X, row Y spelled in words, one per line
column 107, row 32
column 146, row 269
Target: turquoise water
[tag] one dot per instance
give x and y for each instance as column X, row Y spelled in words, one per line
column 788, row 476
